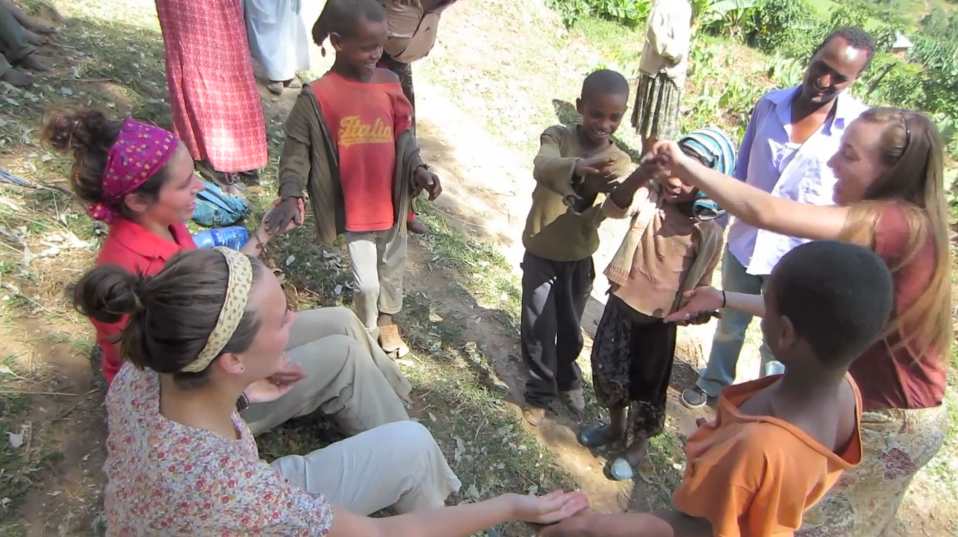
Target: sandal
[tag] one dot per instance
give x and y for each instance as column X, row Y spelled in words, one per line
column 620, row 470
column 594, row 437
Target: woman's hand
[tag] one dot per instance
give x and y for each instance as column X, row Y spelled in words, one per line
column 550, row 508
column 671, row 157
column 282, row 215
column 701, row 302
column 277, row 385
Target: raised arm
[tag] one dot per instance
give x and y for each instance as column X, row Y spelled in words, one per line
column 753, row 206
column 294, row 166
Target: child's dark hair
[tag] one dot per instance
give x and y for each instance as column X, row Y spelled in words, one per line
column 342, row 17
column 857, row 38
column 90, row 135
column 171, row 315
column 604, row 82
column 838, row 296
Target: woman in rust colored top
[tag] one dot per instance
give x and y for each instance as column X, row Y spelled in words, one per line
column 890, row 198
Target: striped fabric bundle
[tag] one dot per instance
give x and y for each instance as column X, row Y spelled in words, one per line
column 716, row 150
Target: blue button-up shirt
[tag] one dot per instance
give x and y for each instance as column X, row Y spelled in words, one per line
column 768, row 160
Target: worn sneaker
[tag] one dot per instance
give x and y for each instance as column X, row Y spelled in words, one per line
column 416, row 226
column 534, row 415
column 391, row 342
column 694, row 397
column 275, row 87
column 574, row 399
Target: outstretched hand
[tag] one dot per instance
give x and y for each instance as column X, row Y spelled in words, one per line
column 428, row 181
column 276, row 385
column 598, row 166
column 702, row 303
column 549, row 509
column 283, row 215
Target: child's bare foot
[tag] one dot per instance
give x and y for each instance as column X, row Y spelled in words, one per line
column 38, row 27
column 391, row 342
column 16, row 77
column 34, row 62
column 33, row 38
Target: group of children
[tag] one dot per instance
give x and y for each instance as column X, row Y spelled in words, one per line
column 672, row 246
column 349, row 143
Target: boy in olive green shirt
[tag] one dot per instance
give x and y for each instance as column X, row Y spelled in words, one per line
column 574, row 169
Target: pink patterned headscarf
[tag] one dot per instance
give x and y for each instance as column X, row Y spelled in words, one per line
column 139, row 152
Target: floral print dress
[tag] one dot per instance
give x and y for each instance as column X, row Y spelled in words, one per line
column 165, row 478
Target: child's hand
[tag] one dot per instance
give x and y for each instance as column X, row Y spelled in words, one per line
column 283, row 215
column 574, row 526
column 428, row 181
column 600, row 166
column 572, row 200
column 704, row 301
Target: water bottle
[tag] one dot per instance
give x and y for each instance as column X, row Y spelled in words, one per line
column 231, row 237
column 774, row 367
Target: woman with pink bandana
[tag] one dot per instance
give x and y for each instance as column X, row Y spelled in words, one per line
column 139, row 179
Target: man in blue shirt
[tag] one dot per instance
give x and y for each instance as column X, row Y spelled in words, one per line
column 791, row 137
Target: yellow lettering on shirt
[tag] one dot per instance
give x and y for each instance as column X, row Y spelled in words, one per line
column 352, row 131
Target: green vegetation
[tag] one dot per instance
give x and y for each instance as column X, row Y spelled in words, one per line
column 786, row 33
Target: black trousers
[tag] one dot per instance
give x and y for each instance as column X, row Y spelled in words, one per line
column 554, row 295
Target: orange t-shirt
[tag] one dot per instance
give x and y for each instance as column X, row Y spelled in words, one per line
column 754, row 476
column 364, row 119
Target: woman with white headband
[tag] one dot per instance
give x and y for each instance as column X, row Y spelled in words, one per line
column 204, row 330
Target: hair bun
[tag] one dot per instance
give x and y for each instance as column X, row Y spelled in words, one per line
column 109, row 292
column 81, row 131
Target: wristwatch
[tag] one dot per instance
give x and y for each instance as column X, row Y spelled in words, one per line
column 242, row 403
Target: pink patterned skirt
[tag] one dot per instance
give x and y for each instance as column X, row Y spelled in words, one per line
column 217, row 110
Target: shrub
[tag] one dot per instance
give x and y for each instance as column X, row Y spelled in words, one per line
column 628, row 12
column 728, row 18
column 776, row 23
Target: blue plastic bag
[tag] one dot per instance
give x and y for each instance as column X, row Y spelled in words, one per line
column 215, row 208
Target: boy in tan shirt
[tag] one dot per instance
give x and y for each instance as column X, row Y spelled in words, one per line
column 575, row 166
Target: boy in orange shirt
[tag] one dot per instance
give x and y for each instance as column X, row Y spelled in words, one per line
column 779, row 443
column 349, row 142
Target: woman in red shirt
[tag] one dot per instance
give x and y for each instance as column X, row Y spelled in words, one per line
column 140, row 180
column 890, row 197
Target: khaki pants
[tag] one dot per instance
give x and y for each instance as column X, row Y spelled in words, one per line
column 378, row 262
column 13, row 45
column 393, row 465
column 347, row 376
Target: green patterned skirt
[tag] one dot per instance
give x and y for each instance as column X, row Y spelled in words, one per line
column 656, row 112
